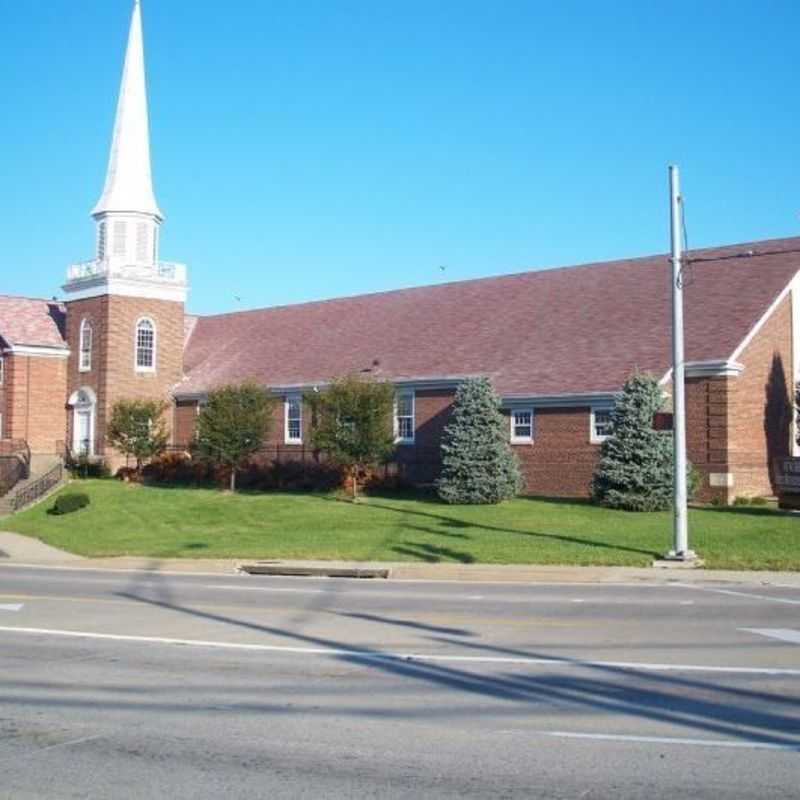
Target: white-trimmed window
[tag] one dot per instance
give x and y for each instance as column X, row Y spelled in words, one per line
column 521, row 425
column 600, row 425
column 2, row 371
column 145, row 359
column 404, row 426
column 293, row 411
column 85, row 346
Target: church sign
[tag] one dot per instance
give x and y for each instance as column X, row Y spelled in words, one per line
column 787, row 482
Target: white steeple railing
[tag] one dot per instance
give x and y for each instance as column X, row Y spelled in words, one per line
column 167, row 271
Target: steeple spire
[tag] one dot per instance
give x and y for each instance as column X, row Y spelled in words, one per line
column 129, row 184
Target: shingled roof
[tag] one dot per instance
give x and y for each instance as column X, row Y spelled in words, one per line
column 559, row 331
column 32, row 322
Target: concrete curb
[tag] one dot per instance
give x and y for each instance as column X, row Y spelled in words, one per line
column 396, row 571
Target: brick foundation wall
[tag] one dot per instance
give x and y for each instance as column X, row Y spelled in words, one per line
column 33, row 399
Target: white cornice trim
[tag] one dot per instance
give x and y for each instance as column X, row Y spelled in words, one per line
column 123, row 287
column 567, row 400
column 37, row 350
column 707, row 369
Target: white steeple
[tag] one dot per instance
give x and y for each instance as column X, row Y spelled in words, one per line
column 129, row 184
column 127, row 215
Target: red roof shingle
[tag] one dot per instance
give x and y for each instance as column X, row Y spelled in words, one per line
column 31, row 321
column 558, row 331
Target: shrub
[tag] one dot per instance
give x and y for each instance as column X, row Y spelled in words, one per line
column 758, row 501
column 67, row 503
column 83, row 467
column 352, row 425
column 741, row 500
column 478, row 465
column 232, row 427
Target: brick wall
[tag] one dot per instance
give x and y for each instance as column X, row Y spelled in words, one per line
column 737, row 426
column 33, row 397
column 184, row 423
column 561, row 460
column 760, row 417
column 3, row 410
column 113, row 376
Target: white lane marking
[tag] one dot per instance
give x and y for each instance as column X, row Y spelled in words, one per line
column 784, row 634
column 577, row 600
column 71, row 743
column 687, row 602
column 784, row 600
column 12, row 606
column 751, row 744
column 369, row 655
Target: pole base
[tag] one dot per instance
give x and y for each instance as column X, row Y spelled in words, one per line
column 687, row 559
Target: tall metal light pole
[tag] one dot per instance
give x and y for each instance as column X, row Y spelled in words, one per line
column 680, row 550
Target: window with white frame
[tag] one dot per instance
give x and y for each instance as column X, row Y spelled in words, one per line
column 85, row 346
column 522, row 425
column 145, row 345
column 404, row 417
column 2, row 371
column 601, row 424
column 294, row 419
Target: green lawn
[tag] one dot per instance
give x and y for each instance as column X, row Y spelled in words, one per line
column 177, row 522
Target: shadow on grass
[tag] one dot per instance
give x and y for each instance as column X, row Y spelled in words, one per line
column 446, row 520
column 432, row 553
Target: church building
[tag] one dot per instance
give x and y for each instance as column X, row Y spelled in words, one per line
column 557, row 344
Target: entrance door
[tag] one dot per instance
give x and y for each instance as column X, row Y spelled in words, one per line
column 83, row 431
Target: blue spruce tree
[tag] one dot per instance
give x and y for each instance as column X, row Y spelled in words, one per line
column 635, row 468
column 478, row 465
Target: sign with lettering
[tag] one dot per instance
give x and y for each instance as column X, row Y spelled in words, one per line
column 787, row 475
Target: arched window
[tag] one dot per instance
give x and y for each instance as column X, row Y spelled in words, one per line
column 145, row 345
column 85, row 347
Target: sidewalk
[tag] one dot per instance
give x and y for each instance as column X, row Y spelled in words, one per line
column 17, row 549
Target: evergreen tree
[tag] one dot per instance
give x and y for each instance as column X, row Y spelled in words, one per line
column 478, row 465
column 635, row 468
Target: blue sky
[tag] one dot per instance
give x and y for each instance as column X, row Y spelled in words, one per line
column 305, row 150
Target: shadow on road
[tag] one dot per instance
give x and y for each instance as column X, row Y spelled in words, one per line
column 606, row 689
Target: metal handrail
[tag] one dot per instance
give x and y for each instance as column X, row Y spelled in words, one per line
column 38, row 488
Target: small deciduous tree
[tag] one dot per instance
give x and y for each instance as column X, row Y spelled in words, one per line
column 478, row 465
column 138, row 430
column 352, row 424
column 635, row 468
column 233, row 425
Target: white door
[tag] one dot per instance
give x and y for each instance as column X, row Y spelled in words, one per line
column 83, row 431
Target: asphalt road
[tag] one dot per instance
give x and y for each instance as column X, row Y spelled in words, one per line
column 143, row 685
